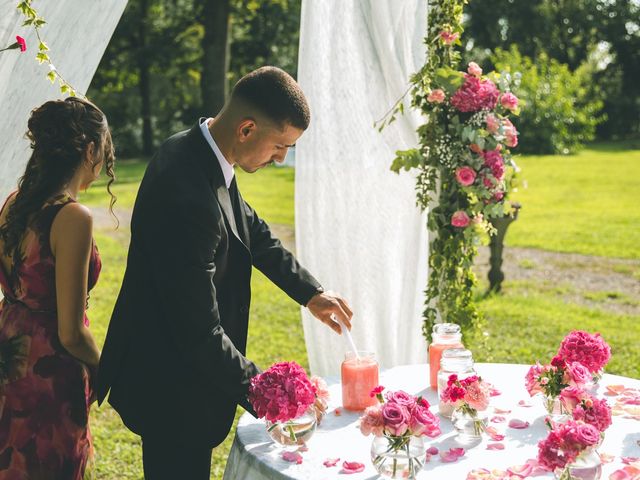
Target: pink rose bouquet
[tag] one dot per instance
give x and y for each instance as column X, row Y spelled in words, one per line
column 398, row 417
column 468, row 396
column 564, row 444
column 282, row 393
column 587, row 349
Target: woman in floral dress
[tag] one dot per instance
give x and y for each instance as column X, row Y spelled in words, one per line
column 48, row 264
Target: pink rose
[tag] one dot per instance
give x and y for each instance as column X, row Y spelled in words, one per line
column 436, row 96
column 372, row 421
column 465, row 176
column 595, row 412
column 460, row 219
column 448, row 37
column 509, row 101
column 401, row 398
column 423, row 422
column 571, row 397
column 577, row 374
column 587, row 434
column 396, row 419
column 322, row 390
column 498, row 196
column 477, row 395
column 532, row 381
column 493, row 124
column 474, row 69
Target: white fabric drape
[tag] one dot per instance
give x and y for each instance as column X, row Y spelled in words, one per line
column 77, row 32
column 357, row 225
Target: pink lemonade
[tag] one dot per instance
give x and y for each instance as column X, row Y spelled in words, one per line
column 444, row 336
column 359, row 377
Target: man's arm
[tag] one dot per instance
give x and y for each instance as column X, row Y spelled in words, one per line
column 181, row 241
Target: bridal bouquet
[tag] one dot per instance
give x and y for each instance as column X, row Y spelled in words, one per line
column 566, row 444
column 284, row 395
column 468, row 396
column 398, row 423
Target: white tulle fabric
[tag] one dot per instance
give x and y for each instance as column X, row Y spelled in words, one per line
column 357, row 225
column 77, row 32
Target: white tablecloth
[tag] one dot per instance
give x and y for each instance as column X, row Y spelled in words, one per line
column 255, row 457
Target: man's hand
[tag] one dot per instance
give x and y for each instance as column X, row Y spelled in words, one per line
column 328, row 306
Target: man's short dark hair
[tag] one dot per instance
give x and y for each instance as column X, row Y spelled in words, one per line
column 275, row 94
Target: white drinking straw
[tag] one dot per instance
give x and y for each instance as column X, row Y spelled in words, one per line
column 347, row 334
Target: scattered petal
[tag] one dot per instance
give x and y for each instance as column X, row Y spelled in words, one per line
column 614, row 389
column 331, row 462
column 498, row 419
column 524, row 403
column 629, row 460
column 337, row 412
column 352, row 467
column 626, row 473
column 432, row 450
column 518, row 424
column 606, row 457
column 303, row 448
column 495, row 446
column 493, row 434
column 521, row 471
column 293, row 457
column 502, row 411
column 451, row 455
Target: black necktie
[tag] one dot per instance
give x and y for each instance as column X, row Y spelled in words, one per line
column 235, row 204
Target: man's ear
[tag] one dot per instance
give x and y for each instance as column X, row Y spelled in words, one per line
column 246, row 128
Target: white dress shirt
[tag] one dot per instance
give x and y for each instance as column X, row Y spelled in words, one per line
column 227, row 168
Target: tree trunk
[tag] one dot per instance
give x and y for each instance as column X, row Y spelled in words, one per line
column 215, row 58
column 145, row 81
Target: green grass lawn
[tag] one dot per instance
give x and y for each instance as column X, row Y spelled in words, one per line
column 584, row 203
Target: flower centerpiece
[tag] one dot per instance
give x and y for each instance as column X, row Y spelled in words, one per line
column 569, row 451
column 581, row 357
column 584, row 407
column 470, row 399
column 285, row 396
column 399, row 422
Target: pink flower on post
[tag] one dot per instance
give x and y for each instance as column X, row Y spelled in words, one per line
column 493, row 124
column 474, row 69
column 509, row 101
column 465, row 176
column 493, row 160
column 475, row 95
column 460, row 219
column 448, row 37
column 436, row 96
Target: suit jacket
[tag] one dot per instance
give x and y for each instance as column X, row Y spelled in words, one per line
column 174, row 353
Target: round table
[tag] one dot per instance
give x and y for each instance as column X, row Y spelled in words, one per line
column 254, row 456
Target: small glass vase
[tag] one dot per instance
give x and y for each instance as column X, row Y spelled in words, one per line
column 469, row 426
column 556, row 409
column 587, row 466
column 296, row 431
column 398, row 457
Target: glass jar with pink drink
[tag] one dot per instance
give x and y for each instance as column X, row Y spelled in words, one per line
column 359, row 376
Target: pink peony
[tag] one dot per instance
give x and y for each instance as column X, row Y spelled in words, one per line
column 509, row 101
column 589, row 350
column 448, row 37
column 396, row 419
column 465, row 176
column 493, row 124
column 436, row 96
column 532, row 379
column 423, row 422
column 475, row 94
column 282, row 392
column 460, row 219
column 401, row 398
column 372, row 421
column 595, row 412
column 474, row 69
column 577, row 374
column 493, row 160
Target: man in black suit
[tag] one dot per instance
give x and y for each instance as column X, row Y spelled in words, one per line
column 174, row 354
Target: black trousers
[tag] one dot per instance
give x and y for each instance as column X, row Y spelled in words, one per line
column 164, row 460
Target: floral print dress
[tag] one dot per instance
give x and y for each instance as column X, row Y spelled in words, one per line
column 44, row 391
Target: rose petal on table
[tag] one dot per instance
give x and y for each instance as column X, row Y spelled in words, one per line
column 521, row 471
column 502, row 411
column 614, row 389
column 303, row 448
column 432, row 450
column 626, row 473
column 495, row 446
column 337, row 412
column 493, row 434
column 498, row 419
column 629, row 460
column 331, row 462
column 352, row 467
column 524, row 403
column 480, row 474
column 293, row 457
column 606, row 457
column 518, row 424
column 451, row 455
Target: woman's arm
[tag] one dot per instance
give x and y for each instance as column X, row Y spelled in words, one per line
column 71, row 243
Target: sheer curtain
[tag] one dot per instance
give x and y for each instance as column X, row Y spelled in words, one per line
column 357, row 225
column 77, row 32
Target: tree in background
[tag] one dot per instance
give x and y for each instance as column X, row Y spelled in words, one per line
column 597, row 36
column 170, row 61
